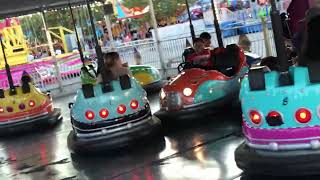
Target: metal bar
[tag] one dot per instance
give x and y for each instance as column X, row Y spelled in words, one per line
column 55, row 35
column 9, row 75
column 193, row 34
column 53, row 54
column 285, row 78
column 77, row 36
column 157, row 38
column 101, row 67
column 63, row 39
column 216, row 25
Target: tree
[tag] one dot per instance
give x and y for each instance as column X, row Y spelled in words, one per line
column 33, row 26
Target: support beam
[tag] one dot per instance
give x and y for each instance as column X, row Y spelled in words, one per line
column 108, row 24
column 157, row 38
column 51, row 49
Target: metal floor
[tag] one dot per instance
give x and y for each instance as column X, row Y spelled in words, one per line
column 202, row 150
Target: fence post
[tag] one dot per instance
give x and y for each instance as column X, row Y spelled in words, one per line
column 266, row 36
column 53, row 55
column 158, row 46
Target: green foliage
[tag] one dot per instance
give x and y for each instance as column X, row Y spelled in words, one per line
column 163, row 9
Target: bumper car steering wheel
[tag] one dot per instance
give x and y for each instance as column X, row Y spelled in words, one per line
column 189, row 65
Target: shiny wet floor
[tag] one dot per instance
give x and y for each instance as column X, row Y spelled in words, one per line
column 201, row 150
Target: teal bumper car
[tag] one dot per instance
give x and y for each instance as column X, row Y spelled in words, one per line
column 281, row 111
column 110, row 118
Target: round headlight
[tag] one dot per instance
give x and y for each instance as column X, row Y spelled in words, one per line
column 187, row 91
column 162, row 94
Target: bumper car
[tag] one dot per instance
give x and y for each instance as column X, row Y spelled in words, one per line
column 25, row 107
column 110, row 118
column 109, row 115
column 281, row 114
column 197, row 90
column 148, row 77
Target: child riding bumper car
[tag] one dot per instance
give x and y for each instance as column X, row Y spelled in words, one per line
column 26, row 107
column 111, row 115
column 198, row 89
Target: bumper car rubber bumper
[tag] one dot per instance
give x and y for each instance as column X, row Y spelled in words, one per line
column 277, row 163
column 32, row 122
column 197, row 111
column 119, row 139
column 155, row 86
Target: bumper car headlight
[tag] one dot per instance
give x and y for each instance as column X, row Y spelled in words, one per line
column 187, row 92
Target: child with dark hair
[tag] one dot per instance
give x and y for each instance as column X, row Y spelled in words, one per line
column 113, row 63
column 206, row 37
column 201, row 55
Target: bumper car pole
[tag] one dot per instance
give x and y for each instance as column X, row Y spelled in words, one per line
column 77, row 35
column 101, row 67
column 193, row 34
column 9, row 75
column 284, row 78
column 216, row 25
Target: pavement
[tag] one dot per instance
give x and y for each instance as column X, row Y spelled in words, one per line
column 201, row 150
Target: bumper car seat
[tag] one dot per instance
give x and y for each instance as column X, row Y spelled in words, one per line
column 227, row 62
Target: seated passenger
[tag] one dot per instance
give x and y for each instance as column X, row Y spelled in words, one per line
column 310, row 47
column 26, row 78
column 113, row 63
column 206, row 37
column 201, row 56
column 271, row 63
column 244, row 43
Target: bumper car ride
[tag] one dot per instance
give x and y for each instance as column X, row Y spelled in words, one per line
column 148, row 77
column 25, row 109
column 111, row 119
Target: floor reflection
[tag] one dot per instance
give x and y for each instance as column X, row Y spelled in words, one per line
column 199, row 151
column 122, row 163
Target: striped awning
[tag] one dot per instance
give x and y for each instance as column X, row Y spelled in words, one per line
column 123, row 12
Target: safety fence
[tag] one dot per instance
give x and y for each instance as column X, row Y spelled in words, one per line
column 61, row 74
